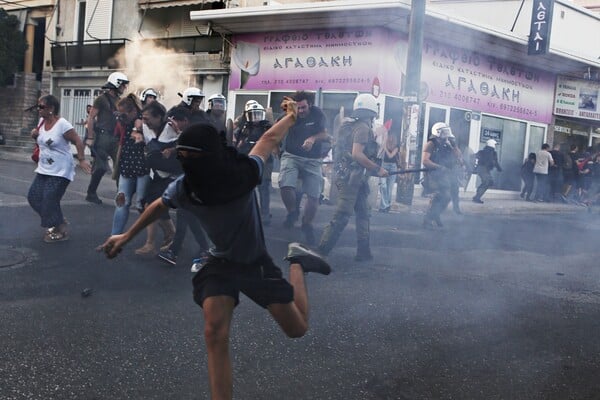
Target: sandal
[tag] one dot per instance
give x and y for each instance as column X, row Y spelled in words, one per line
column 54, row 235
column 146, row 250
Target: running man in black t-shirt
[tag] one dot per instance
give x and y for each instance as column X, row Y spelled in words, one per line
column 218, row 188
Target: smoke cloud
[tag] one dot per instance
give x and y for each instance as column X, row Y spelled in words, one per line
column 148, row 65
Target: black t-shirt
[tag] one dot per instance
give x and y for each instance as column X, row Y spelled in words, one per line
column 559, row 160
column 304, row 128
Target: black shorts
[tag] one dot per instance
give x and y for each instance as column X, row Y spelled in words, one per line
column 261, row 281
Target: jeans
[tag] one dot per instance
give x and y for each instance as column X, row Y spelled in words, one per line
column 44, row 197
column 542, row 187
column 128, row 186
column 386, row 185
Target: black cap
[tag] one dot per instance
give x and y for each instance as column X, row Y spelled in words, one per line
column 200, row 137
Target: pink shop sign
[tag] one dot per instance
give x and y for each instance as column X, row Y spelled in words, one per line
column 341, row 59
column 466, row 79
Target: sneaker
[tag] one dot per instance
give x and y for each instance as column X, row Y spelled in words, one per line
column 308, row 259
column 168, row 256
column 309, row 233
column 291, row 219
column 197, row 263
column 363, row 257
column 93, row 198
column 477, row 200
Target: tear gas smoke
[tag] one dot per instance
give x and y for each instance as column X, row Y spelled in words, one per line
column 148, row 65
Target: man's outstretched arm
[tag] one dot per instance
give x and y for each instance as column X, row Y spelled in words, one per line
column 270, row 140
column 114, row 244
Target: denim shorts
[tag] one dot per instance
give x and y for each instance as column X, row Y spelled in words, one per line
column 309, row 170
column 261, row 281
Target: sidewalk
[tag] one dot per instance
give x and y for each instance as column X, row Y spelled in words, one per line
column 496, row 202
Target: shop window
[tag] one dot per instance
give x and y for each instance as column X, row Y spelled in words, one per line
column 536, row 138
column 510, row 136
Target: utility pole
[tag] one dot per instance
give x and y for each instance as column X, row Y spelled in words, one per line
column 412, row 138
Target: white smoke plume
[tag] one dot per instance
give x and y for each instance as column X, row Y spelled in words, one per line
column 148, row 65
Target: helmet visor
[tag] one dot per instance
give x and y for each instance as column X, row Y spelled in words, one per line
column 255, row 115
column 445, row 132
column 217, row 104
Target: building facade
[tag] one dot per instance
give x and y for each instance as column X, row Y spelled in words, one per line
column 476, row 74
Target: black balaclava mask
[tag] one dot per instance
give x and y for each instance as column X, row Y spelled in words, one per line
column 216, row 176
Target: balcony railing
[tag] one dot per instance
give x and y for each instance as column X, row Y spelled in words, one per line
column 88, row 53
column 98, row 53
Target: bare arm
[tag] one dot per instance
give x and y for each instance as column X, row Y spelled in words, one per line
column 310, row 141
column 426, row 157
column 114, row 244
column 359, row 156
column 91, row 121
column 73, row 137
column 269, row 141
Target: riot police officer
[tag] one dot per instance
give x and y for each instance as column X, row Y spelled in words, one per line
column 440, row 155
column 254, row 125
column 355, row 156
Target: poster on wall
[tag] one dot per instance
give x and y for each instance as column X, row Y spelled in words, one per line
column 577, row 98
column 369, row 60
column 487, row 134
column 466, row 79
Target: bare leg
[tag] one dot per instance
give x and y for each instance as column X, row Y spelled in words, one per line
column 168, row 229
column 148, row 247
column 288, row 196
column 218, row 311
column 293, row 317
column 310, row 210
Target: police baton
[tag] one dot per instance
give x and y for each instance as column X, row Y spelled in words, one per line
column 409, row 171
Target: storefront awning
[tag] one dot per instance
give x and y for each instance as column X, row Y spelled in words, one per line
column 389, row 14
column 150, row 4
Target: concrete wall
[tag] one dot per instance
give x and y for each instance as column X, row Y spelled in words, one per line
column 14, row 100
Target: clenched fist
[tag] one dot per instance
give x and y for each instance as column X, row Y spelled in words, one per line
column 290, row 107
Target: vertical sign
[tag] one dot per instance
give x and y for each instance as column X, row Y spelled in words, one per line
column 541, row 24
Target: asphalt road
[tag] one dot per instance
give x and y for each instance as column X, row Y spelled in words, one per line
column 492, row 306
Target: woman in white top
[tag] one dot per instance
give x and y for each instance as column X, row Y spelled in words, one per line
column 55, row 169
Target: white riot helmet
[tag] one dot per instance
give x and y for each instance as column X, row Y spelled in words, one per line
column 217, row 102
column 248, row 104
column 148, row 92
column 491, row 143
column 441, row 130
column 190, row 93
column 365, row 106
column 255, row 112
column 115, row 80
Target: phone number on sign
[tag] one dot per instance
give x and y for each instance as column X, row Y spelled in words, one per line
column 463, row 98
column 518, row 109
